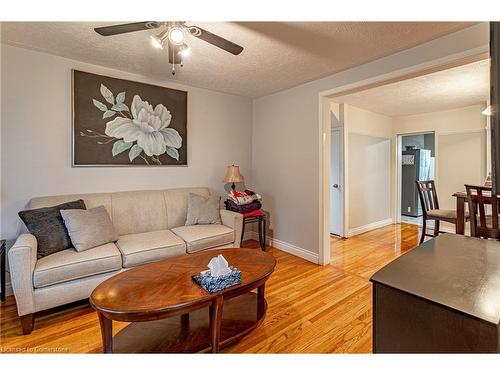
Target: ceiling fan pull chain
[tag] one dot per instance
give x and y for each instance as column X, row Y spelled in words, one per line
column 173, row 61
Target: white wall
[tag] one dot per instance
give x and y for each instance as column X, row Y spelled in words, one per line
column 362, row 121
column 286, row 135
column 453, row 120
column 368, row 156
column 461, row 160
column 461, row 150
column 36, row 136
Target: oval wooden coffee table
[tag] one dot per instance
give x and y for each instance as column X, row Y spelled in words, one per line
column 170, row 313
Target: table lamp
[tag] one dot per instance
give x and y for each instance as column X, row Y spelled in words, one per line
column 233, row 175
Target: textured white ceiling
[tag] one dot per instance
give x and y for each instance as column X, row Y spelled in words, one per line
column 452, row 88
column 277, row 55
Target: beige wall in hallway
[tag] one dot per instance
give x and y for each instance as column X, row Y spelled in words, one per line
column 369, row 138
column 453, row 120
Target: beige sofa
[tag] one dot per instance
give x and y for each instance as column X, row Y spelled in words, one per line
column 151, row 227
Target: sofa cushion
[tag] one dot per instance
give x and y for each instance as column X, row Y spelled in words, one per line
column 176, row 201
column 70, row 264
column 201, row 237
column 47, row 225
column 203, row 210
column 149, row 246
column 89, row 228
column 138, row 211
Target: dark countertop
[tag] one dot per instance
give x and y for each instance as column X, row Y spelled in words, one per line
column 459, row 272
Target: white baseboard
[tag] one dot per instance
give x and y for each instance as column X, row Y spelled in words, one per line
column 294, row 250
column 285, row 246
column 368, row 227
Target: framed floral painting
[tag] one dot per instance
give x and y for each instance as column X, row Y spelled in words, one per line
column 120, row 122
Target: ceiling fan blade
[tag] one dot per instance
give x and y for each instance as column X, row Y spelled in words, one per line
column 126, row 28
column 215, row 40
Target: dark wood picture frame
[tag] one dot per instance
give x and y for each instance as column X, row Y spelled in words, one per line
column 118, row 122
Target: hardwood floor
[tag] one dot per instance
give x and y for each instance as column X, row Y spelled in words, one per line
column 312, row 309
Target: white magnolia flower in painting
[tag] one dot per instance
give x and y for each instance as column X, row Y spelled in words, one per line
column 147, row 126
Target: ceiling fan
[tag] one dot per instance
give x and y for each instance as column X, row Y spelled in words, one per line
column 172, row 36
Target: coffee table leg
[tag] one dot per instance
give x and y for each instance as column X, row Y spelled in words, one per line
column 261, row 307
column 185, row 321
column 106, row 333
column 215, row 322
column 260, row 291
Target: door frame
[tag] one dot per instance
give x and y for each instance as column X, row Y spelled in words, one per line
column 342, row 175
column 323, row 140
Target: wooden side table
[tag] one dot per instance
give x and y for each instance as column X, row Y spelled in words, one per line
column 3, row 266
column 261, row 220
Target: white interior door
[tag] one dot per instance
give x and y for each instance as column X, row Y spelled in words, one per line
column 335, row 178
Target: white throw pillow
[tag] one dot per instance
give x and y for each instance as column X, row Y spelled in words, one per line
column 89, row 228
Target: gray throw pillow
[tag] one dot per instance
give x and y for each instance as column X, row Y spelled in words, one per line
column 203, row 210
column 89, row 228
column 47, row 225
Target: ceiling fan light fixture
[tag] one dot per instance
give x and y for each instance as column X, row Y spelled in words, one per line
column 176, row 35
column 172, row 37
column 185, row 50
column 156, row 42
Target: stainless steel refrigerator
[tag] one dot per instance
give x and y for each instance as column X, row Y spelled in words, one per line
column 416, row 166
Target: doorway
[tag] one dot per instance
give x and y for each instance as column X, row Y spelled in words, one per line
column 336, row 181
column 355, row 91
column 416, row 162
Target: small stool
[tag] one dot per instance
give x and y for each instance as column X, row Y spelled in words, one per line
column 261, row 219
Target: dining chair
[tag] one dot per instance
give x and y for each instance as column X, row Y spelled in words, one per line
column 430, row 208
column 480, row 200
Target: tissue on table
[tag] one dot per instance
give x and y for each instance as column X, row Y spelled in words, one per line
column 218, row 266
column 218, row 276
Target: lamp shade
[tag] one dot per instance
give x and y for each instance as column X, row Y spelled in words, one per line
column 233, row 174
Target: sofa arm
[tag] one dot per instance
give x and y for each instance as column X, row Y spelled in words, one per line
column 233, row 220
column 22, row 259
